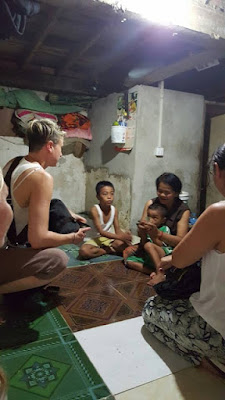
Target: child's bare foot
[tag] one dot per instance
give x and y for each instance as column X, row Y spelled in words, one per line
column 156, row 278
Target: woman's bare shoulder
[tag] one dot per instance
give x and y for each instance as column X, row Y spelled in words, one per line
column 216, row 207
column 40, row 178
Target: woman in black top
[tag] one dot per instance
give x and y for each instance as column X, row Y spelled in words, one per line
column 168, row 188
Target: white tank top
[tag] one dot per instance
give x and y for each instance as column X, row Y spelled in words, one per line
column 21, row 214
column 106, row 227
column 210, row 301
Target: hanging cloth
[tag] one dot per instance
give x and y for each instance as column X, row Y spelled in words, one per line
column 13, row 16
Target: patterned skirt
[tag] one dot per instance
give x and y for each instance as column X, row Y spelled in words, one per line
column 177, row 325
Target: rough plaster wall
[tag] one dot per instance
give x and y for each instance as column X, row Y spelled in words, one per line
column 122, row 186
column 11, row 147
column 217, row 137
column 118, row 167
column 69, row 177
column 70, row 182
column 182, row 136
column 102, row 152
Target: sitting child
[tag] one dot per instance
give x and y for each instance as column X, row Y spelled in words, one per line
column 105, row 216
column 151, row 248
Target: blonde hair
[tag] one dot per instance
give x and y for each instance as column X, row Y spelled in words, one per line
column 40, row 131
column 1, row 180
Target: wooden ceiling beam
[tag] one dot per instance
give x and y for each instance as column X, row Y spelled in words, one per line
column 75, row 56
column 26, row 79
column 186, row 64
column 51, row 20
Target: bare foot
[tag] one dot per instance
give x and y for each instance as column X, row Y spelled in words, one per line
column 156, row 278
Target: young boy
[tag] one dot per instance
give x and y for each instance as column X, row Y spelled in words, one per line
column 151, row 248
column 105, row 216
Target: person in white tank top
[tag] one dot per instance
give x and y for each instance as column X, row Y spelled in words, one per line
column 110, row 238
column 196, row 327
column 32, row 187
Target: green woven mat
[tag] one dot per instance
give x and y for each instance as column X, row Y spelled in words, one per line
column 72, row 252
column 47, row 365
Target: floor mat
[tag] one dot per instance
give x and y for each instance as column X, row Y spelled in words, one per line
column 72, row 252
column 41, row 357
column 102, row 293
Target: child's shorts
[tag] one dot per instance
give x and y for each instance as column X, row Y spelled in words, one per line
column 100, row 241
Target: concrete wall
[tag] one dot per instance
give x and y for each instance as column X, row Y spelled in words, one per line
column 217, row 137
column 104, row 162
column 182, row 137
column 69, row 176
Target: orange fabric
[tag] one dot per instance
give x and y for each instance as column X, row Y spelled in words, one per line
column 74, row 120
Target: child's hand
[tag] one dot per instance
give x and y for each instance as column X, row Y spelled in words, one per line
column 126, row 237
column 80, row 235
column 142, row 224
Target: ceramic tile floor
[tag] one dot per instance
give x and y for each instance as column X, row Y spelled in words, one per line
column 51, row 365
column 189, row 384
column 130, row 287
column 127, row 355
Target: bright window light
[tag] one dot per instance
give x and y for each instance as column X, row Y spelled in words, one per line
column 165, row 12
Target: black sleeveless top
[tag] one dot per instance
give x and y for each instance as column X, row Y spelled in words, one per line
column 175, row 213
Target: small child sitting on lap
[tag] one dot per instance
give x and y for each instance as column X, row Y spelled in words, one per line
column 151, row 248
column 105, row 216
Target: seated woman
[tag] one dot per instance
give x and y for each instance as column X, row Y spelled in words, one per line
column 32, row 187
column 168, row 188
column 23, row 269
column 195, row 327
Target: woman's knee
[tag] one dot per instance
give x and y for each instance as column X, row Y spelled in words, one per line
column 54, row 261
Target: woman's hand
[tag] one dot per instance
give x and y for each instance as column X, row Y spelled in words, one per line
column 165, row 263
column 79, row 235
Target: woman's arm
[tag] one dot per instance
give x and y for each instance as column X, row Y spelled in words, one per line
column 182, row 229
column 207, row 233
column 41, row 187
column 144, row 213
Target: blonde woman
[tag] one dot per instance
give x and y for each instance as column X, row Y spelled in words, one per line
column 23, row 269
column 26, row 268
column 32, row 187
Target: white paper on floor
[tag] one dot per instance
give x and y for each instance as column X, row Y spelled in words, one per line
column 126, row 355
